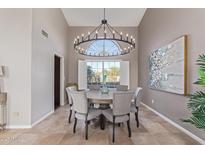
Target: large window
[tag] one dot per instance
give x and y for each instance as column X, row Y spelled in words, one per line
column 103, row 72
column 111, row 73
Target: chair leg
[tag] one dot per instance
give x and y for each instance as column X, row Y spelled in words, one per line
column 119, row 124
column 70, row 116
column 75, row 123
column 113, row 133
column 86, row 128
column 128, row 127
column 136, row 116
column 102, row 122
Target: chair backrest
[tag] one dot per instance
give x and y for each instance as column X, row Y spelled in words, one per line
column 121, row 87
column 80, row 103
column 94, row 87
column 122, row 102
column 70, row 84
column 138, row 96
column 68, row 90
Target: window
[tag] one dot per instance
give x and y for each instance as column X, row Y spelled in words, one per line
column 103, row 72
column 106, row 47
column 99, row 72
column 111, row 73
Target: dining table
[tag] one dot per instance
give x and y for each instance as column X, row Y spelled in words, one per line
column 97, row 97
column 102, row 100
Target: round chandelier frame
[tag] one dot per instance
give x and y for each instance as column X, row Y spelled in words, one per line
column 107, row 33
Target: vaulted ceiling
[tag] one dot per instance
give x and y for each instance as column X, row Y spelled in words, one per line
column 129, row 17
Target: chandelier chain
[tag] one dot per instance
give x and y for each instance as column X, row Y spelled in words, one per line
column 104, row 13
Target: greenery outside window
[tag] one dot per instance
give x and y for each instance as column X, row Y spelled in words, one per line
column 103, row 72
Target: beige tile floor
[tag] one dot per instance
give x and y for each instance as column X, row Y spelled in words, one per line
column 56, row 130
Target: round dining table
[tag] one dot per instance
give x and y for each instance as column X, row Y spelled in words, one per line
column 102, row 100
column 96, row 97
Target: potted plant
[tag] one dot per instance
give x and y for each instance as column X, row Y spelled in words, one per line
column 197, row 100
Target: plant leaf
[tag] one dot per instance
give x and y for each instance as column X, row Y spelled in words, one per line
column 197, row 100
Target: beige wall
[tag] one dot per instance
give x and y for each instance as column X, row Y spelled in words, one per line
column 74, row 57
column 29, row 58
column 159, row 27
column 15, row 54
column 43, row 51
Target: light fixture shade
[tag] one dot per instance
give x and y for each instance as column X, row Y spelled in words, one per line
column 1, row 71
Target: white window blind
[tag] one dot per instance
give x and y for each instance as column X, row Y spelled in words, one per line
column 82, row 75
column 124, row 73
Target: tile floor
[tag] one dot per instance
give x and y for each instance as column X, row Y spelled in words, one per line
column 56, row 130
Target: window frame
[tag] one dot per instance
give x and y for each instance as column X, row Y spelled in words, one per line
column 103, row 68
column 92, row 45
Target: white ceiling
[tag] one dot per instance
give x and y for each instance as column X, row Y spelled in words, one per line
column 93, row 16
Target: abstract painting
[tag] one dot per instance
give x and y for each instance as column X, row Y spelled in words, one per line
column 168, row 67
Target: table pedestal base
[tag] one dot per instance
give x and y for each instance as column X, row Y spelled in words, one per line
column 102, row 122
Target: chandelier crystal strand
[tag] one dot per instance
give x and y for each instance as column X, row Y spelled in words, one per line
column 104, row 32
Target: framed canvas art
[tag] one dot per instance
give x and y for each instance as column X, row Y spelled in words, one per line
column 168, row 67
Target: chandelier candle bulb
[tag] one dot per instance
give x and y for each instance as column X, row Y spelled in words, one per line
column 96, row 34
column 113, row 33
column 82, row 36
column 127, row 35
column 121, row 35
column 78, row 38
column 104, row 33
column 88, row 35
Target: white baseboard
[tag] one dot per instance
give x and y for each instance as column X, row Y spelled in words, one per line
column 29, row 126
column 201, row 141
column 18, row 126
column 63, row 104
column 42, row 118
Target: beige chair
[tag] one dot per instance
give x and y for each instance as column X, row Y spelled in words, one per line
column 136, row 103
column 94, row 87
column 82, row 110
column 121, row 87
column 121, row 110
column 70, row 101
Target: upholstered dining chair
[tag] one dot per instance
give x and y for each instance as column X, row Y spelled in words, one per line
column 70, row 101
column 82, row 110
column 94, row 87
column 136, row 103
column 121, row 87
column 121, row 110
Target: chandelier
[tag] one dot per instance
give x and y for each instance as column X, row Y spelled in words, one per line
column 104, row 41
